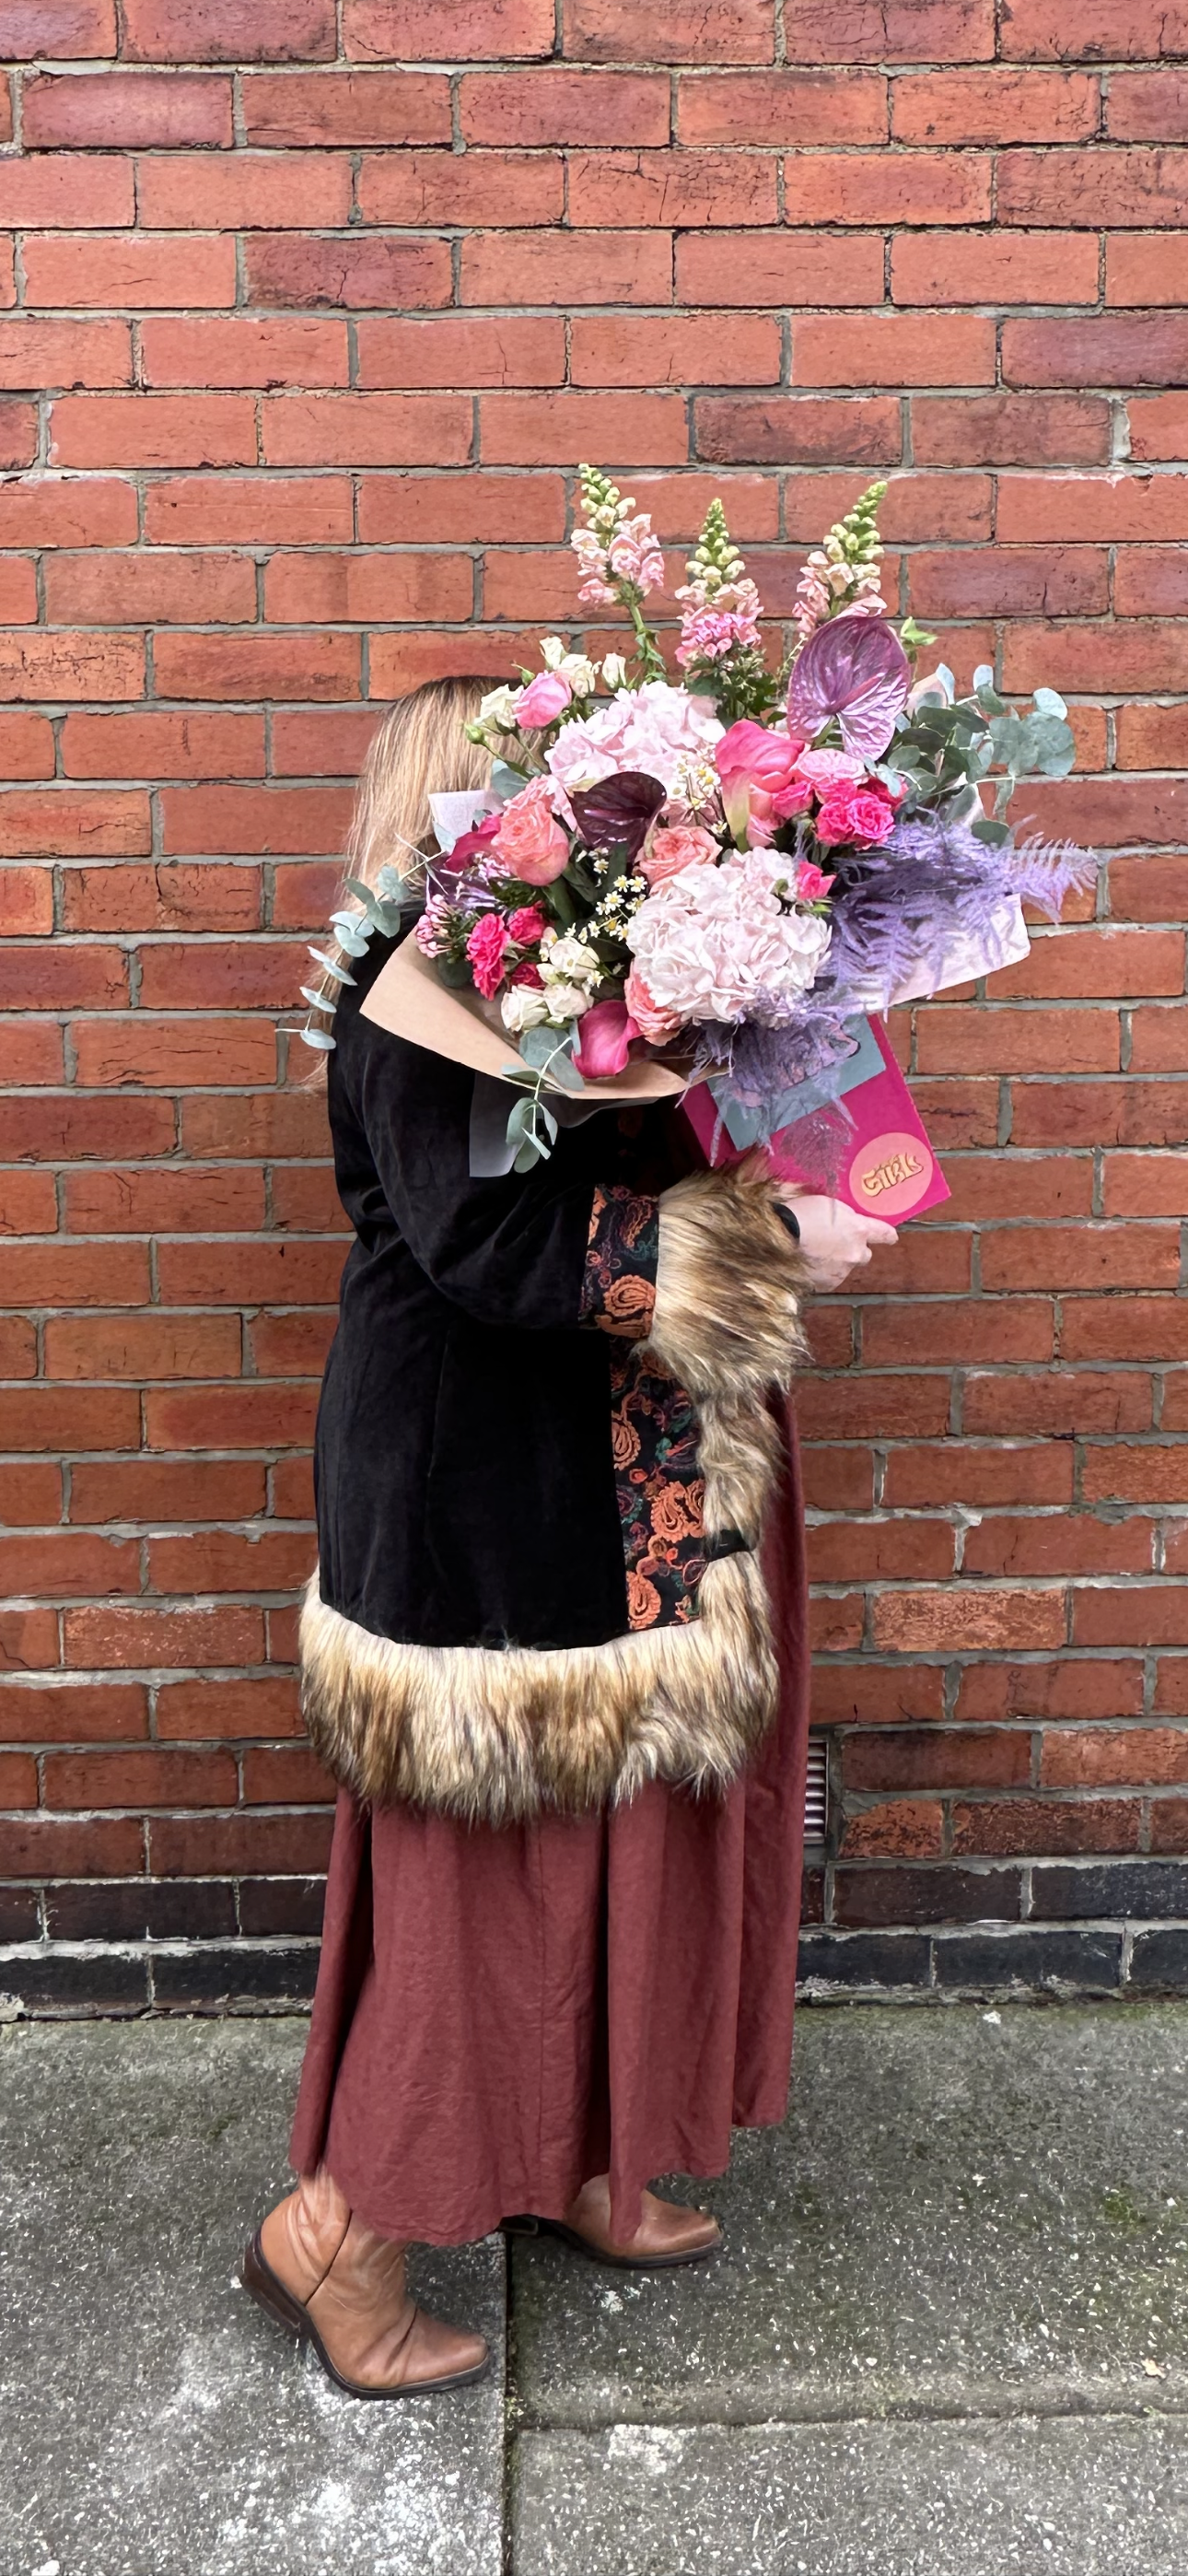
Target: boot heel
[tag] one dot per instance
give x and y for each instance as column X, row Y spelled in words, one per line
column 270, row 2294
column 521, row 2226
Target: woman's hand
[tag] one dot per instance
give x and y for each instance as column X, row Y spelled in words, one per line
column 834, row 1239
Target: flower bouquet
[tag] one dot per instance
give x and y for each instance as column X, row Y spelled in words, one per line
column 726, row 873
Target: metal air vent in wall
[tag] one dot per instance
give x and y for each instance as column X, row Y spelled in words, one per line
column 816, row 1791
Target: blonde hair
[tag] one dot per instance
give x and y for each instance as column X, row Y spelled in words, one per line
column 421, row 749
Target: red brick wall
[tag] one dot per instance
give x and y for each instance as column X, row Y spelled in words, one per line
column 326, row 328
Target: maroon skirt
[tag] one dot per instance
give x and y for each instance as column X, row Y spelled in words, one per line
column 502, row 2013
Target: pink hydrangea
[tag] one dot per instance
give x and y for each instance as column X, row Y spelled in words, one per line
column 656, row 728
column 723, row 943
column 487, row 948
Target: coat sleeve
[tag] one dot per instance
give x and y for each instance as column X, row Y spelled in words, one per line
column 542, row 1250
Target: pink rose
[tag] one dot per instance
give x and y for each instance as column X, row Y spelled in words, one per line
column 672, row 846
column 526, row 925
column 486, row 949
column 652, row 1020
column 544, row 699
column 604, row 1036
column 827, row 769
column 812, row 884
column 855, row 814
column 795, row 798
column 530, row 841
column 755, row 765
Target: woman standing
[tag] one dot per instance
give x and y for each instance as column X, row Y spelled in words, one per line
column 555, row 1655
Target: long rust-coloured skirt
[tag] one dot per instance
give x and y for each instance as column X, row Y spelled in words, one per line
column 503, row 2012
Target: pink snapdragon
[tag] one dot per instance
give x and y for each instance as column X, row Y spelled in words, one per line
column 712, row 627
column 627, row 556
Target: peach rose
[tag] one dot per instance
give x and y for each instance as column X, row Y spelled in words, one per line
column 530, row 842
column 673, row 846
column 651, row 1019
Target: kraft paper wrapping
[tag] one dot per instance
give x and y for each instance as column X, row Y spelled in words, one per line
column 409, row 998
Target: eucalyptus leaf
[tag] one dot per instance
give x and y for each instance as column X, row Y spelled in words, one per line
column 1050, row 703
column 506, row 782
column 985, row 829
column 331, row 966
column 538, row 1044
column 318, row 1038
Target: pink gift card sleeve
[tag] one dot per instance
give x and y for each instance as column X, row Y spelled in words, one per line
column 886, row 1166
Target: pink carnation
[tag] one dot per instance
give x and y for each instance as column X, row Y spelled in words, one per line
column 544, row 699
column 530, row 840
column 653, row 1022
column 812, row 884
column 855, row 814
column 673, row 846
column 486, row 949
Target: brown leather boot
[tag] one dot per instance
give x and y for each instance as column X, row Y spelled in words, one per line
column 668, row 2233
column 333, row 2282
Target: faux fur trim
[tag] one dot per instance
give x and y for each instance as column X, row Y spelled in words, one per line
column 493, row 1736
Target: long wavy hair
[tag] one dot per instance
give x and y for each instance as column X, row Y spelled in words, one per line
column 421, row 749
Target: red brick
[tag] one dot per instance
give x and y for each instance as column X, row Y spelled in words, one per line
column 672, row 188
column 63, row 824
column 1158, row 429
column 80, row 189
column 349, row 270
column 947, row 1333
column 75, row 1274
column 52, row 511
column 125, row 109
column 194, row 1199
column 909, row 1828
column 869, row 31
column 215, row 31
column 28, row 902
column 1148, row 107
column 1070, row 1687
column 952, row 1039
column 1169, row 1824
column 1007, row 268
column 256, row 974
column 263, row 819
column 293, row 1776
column 367, row 429
column 66, row 1562
column 275, row 1273
column 152, row 1778
column 857, row 1551
column 1112, row 349
column 1149, row 581
column 886, row 188
column 174, row 1054
column 1145, row 1185
column 893, row 349
column 1000, row 106
column 346, row 107
column 309, row 665
column 1060, row 1406
column 505, row 188
column 1120, row 1758
column 548, row 429
column 265, row 1560
column 566, row 268
column 1087, row 657
column 157, row 1489
column 870, row 1694
column 1139, row 1614
column 1120, row 185
column 161, row 898
column 141, row 1347
column 218, row 1846
column 152, row 429
column 81, row 269
column 244, row 351
column 1108, row 962
column 1041, row 30
column 561, row 106
column 1159, row 1040
column 18, row 435
column 1147, row 1472
column 319, row 741
column 1011, row 429
column 92, row 1848
column 790, row 107
column 1133, row 277
column 248, row 1416
column 525, row 350
column 783, row 268
column 936, row 1760
column 258, row 1705
column 28, row 1205
column 50, row 354
column 1171, row 1686
column 1134, row 1328
column 953, row 1621
column 70, row 1712
column 18, row 1346
column 63, row 666
column 63, row 977
column 1029, row 1825
column 69, row 29
column 292, row 1488
column 1091, row 1113
column 26, row 751
column 264, row 1124
column 159, row 745
column 1057, row 1543
column 690, row 349
column 802, row 430
column 835, row 1625
column 153, row 1639
column 242, row 191
column 956, row 1472
column 287, row 1345
column 724, row 31
column 150, row 589
column 68, row 1129
column 272, row 510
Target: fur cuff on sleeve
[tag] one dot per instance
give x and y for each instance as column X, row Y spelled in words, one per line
column 729, row 1288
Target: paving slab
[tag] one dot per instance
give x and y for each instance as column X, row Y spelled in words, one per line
column 1107, row 2497
column 152, row 2421
column 966, row 2212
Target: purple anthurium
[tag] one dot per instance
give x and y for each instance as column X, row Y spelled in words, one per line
column 855, row 669
column 618, row 809
column 604, row 1036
